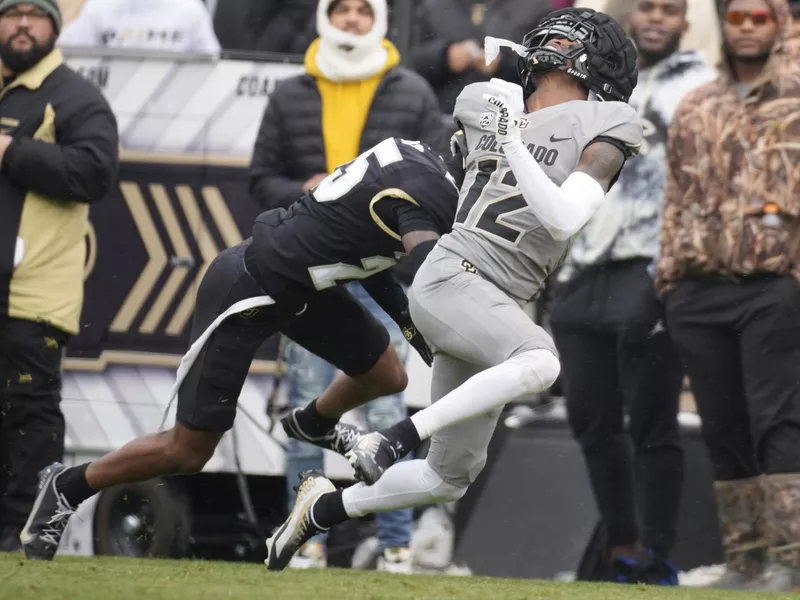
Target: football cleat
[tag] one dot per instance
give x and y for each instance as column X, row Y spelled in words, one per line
column 300, row 526
column 340, row 439
column 48, row 519
column 371, row 456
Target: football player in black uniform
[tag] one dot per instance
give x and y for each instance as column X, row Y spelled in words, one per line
column 394, row 199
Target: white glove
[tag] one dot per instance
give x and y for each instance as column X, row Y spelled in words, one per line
column 500, row 101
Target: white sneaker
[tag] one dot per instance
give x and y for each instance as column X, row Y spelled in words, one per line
column 396, row 560
column 312, row 555
column 300, row 526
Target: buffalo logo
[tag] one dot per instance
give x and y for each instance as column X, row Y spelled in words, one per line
column 468, row 267
column 25, row 378
column 50, row 343
column 486, row 119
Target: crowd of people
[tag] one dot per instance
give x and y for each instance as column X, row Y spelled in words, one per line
column 688, row 269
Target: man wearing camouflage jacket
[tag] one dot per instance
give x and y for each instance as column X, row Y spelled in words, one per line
column 729, row 273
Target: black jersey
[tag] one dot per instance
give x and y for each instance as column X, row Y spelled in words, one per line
column 351, row 225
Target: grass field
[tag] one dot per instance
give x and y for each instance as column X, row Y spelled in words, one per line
column 118, row 578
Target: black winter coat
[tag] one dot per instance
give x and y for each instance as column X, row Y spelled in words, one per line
column 444, row 22
column 290, row 149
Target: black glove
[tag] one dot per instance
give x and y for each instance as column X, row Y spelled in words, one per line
column 415, row 338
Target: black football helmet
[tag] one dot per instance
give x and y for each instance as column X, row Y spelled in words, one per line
column 604, row 60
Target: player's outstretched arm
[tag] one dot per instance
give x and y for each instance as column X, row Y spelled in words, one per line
column 389, row 295
column 562, row 210
column 602, row 161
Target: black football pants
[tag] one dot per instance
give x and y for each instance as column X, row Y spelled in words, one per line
column 740, row 343
column 31, row 421
column 617, row 359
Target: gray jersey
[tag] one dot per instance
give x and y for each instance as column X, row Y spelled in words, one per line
column 494, row 229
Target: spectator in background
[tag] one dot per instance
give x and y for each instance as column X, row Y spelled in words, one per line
column 449, row 53
column 615, row 352
column 58, row 154
column 284, row 26
column 167, row 25
column 352, row 96
column 704, row 35
column 730, row 274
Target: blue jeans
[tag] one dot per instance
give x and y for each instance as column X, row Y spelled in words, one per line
column 308, row 376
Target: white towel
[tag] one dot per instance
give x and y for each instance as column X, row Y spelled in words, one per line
column 191, row 355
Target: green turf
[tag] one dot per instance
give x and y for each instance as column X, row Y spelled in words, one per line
column 75, row 578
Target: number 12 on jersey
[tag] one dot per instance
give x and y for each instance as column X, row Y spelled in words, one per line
column 487, row 215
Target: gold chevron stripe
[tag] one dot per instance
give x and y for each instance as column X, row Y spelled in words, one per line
column 221, row 215
column 208, row 250
column 180, row 272
column 155, row 250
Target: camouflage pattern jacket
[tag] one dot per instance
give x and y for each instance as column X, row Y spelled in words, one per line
column 732, row 198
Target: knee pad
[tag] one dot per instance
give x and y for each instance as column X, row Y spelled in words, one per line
column 538, row 368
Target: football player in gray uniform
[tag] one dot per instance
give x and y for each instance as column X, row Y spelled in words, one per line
column 538, row 160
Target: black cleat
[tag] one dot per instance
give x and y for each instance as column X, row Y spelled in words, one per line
column 371, row 456
column 48, row 519
column 340, row 439
column 300, row 526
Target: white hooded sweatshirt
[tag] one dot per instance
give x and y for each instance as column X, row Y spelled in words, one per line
column 165, row 25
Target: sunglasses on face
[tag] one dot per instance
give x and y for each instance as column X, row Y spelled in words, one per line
column 757, row 17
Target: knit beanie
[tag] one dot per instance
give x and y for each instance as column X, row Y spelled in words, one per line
column 48, row 6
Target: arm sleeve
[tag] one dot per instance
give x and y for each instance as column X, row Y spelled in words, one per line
column 562, row 210
column 412, row 218
column 269, row 186
column 389, row 295
column 82, row 167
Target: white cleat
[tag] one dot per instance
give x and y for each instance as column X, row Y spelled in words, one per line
column 300, row 526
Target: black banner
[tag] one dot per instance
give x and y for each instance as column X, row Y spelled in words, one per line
column 150, row 242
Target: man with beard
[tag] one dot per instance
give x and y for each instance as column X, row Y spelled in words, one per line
column 729, row 272
column 616, row 355
column 58, row 154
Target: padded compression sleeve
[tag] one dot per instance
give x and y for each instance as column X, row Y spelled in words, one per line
column 420, row 253
column 563, row 210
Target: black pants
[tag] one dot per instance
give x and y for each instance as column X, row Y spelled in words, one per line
column 617, row 360
column 31, row 422
column 330, row 323
column 740, row 343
